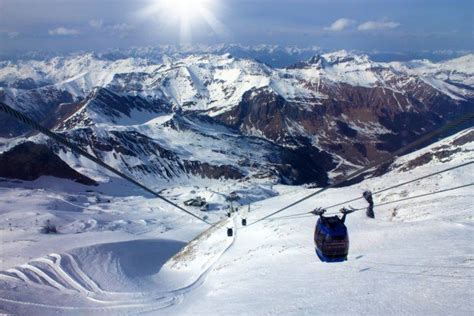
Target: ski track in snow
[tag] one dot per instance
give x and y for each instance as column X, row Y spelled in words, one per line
column 68, row 277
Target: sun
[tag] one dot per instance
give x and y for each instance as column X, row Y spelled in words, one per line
column 185, row 16
column 183, row 9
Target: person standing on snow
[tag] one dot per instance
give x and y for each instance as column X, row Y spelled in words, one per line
column 370, row 209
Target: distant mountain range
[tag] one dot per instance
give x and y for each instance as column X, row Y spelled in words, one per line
column 218, row 115
column 272, row 55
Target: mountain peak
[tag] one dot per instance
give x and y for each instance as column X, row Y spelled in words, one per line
column 316, row 60
column 343, row 56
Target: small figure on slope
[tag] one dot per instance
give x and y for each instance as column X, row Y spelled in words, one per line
column 370, row 209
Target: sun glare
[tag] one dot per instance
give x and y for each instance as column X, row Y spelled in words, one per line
column 184, row 16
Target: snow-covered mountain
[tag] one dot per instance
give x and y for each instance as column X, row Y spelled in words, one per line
column 274, row 55
column 147, row 140
column 278, row 56
column 334, row 112
column 205, row 75
column 118, row 252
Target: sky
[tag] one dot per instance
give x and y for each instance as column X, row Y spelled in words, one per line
column 381, row 25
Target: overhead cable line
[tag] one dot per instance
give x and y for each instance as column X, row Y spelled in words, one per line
column 307, row 214
column 421, row 195
column 403, row 183
column 63, row 141
column 389, row 188
column 378, row 162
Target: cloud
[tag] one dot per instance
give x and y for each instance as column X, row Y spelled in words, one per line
column 13, row 34
column 339, row 25
column 122, row 27
column 97, row 24
column 63, row 31
column 9, row 34
column 377, row 25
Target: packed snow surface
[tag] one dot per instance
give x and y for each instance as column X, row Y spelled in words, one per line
column 118, row 252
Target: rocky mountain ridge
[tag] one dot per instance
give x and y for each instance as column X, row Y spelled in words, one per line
column 306, row 123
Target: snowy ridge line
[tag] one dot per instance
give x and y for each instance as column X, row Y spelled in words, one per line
column 201, row 278
column 208, row 231
column 43, row 275
column 52, row 271
column 60, row 139
column 56, row 266
column 19, row 274
column 377, row 163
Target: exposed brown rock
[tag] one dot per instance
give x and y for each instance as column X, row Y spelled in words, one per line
column 29, row 161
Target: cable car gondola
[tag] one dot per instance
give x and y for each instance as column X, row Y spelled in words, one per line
column 331, row 237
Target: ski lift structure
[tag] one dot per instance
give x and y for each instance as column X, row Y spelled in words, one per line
column 331, row 237
column 231, row 198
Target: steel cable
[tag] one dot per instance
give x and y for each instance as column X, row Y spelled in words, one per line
column 378, row 162
column 62, row 140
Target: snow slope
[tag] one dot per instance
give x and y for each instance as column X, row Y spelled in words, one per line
column 458, row 70
column 123, row 256
column 415, row 258
column 75, row 74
